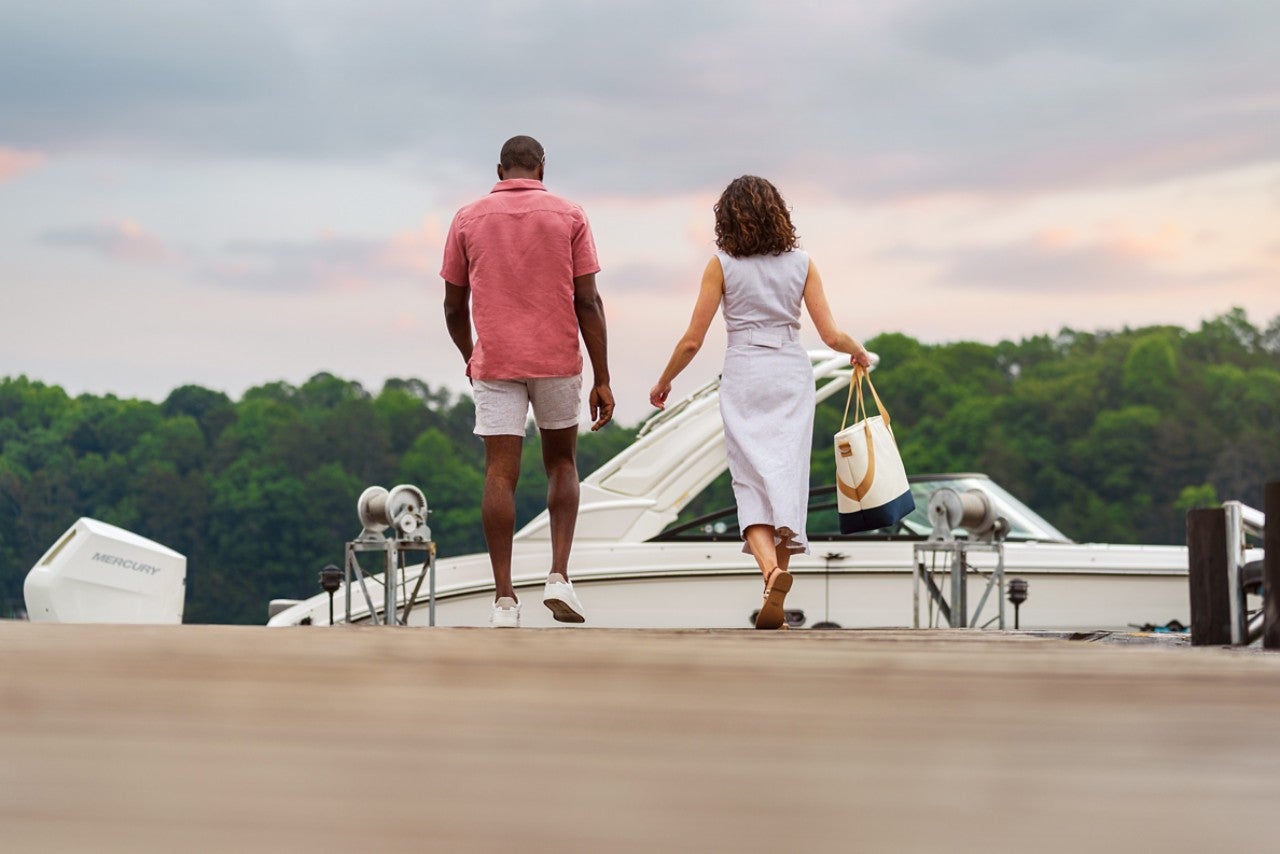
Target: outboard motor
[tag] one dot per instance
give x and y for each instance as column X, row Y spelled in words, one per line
column 98, row 573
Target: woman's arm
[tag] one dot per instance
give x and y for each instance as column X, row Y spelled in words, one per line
column 691, row 342
column 815, row 299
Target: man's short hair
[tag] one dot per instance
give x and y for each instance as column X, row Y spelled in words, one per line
column 522, row 152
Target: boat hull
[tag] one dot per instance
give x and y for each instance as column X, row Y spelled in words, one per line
column 1072, row 587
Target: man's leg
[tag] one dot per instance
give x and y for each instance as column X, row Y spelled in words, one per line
column 560, row 458
column 498, row 506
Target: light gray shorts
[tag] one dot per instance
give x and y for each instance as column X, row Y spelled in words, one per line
column 502, row 406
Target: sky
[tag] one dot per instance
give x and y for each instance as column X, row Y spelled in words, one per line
column 232, row 193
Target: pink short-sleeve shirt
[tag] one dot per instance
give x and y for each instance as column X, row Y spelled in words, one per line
column 519, row 249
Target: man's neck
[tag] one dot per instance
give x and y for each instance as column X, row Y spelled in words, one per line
column 514, row 173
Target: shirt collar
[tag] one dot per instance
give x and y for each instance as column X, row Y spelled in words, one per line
column 518, row 184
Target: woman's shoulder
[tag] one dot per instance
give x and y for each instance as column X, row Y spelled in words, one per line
column 790, row 256
column 792, row 259
column 798, row 262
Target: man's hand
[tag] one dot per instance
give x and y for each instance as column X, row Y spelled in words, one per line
column 601, row 399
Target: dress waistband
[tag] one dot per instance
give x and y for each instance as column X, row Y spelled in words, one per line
column 764, row 336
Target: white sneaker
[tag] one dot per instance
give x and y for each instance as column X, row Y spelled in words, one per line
column 505, row 614
column 563, row 602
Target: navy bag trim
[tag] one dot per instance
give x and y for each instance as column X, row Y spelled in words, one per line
column 872, row 518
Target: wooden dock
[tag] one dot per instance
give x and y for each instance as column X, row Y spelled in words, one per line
column 214, row 738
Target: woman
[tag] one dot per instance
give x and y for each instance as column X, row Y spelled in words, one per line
column 766, row 389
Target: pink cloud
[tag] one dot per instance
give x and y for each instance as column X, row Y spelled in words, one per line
column 13, row 162
column 119, row 240
column 1164, row 242
column 415, row 251
column 1108, row 258
column 131, row 242
column 332, row 261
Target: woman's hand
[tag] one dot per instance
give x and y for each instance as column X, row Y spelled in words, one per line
column 860, row 358
column 658, row 395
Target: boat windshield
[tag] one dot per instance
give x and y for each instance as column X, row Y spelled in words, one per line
column 1025, row 524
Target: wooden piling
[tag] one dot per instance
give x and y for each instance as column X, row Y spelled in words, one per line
column 1207, row 565
column 1271, row 567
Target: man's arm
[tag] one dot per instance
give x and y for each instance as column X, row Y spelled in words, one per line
column 590, row 310
column 457, row 317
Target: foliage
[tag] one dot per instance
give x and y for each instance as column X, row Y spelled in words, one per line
column 259, row 494
column 1112, row 436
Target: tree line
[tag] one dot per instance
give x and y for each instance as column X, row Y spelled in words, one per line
column 1110, row 435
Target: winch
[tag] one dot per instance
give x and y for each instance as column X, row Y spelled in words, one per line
column 971, row 511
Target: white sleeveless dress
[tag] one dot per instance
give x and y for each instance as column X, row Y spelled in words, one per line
column 767, row 392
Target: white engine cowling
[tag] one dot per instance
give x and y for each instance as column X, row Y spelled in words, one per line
column 98, row 573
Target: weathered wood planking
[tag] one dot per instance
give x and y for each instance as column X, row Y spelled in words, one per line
column 209, row 738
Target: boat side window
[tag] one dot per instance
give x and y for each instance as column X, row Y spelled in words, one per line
column 823, row 523
column 700, row 522
column 1025, row 525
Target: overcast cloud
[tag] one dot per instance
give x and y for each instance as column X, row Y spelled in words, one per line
column 242, row 151
column 890, row 97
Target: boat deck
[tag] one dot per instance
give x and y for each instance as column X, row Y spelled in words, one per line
column 217, row 738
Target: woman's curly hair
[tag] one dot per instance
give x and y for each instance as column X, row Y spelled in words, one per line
column 752, row 219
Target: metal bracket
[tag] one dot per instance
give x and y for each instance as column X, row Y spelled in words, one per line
column 955, row 610
column 394, row 576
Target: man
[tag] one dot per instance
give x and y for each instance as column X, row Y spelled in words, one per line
column 520, row 263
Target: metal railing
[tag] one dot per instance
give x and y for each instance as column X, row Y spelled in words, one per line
column 1242, row 520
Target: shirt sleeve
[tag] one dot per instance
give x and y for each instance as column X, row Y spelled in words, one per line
column 454, row 268
column 584, row 247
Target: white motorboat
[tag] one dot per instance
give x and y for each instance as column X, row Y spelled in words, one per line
column 635, row 565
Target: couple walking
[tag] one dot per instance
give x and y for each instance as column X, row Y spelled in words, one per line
column 519, row 266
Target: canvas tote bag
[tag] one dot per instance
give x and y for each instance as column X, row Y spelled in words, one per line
column 871, row 484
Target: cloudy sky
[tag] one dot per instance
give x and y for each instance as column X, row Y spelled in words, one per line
column 228, row 193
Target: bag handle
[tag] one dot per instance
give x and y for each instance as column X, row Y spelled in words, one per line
column 858, row 492
column 859, row 374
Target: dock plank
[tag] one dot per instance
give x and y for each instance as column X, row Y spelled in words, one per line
column 215, row 738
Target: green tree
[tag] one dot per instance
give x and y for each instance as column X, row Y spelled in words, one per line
column 1151, row 371
column 1111, row 435
column 452, row 487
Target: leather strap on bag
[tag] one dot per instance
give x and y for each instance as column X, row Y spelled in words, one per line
column 855, row 382
column 857, row 493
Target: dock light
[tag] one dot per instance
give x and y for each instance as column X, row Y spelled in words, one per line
column 330, row 581
column 1017, row 595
